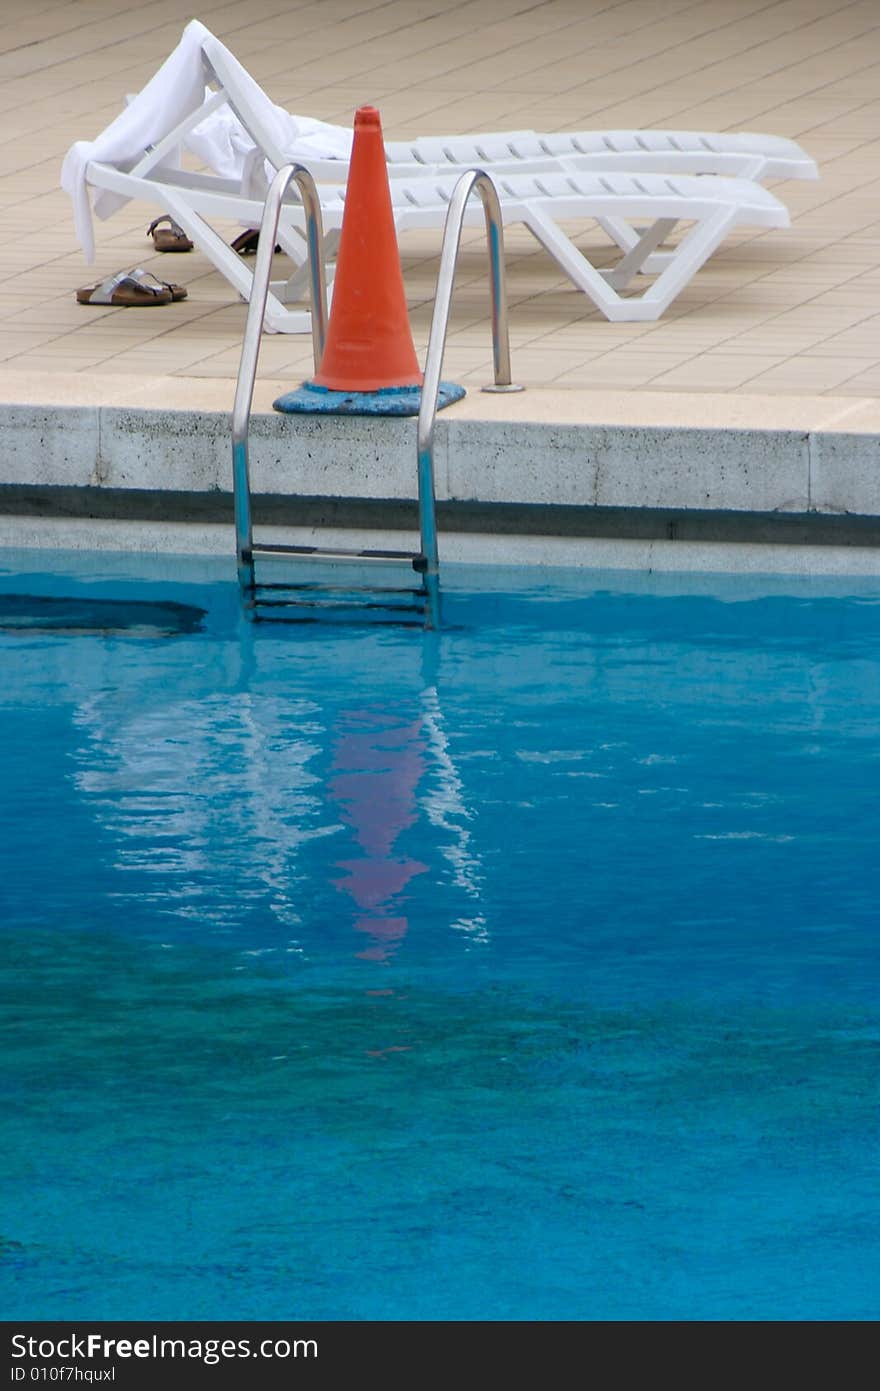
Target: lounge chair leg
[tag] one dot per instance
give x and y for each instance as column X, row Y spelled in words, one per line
column 619, row 276
column 298, row 283
column 620, row 232
column 627, row 238
column 231, row 265
column 689, row 255
column 582, row 273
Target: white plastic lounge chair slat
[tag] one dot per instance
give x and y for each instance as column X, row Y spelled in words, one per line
column 783, row 158
column 497, row 147
column 460, row 149
column 466, row 148
column 527, row 146
column 752, row 197
column 549, row 184
column 662, row 140
column 402, row 152
column 745, row 154
column 623, row 141
column 408, row 154
column 428, row 193
column 558, row 144
column 686, row 152
column 683, row 197
column 431, row 150
column 623, row 185
column 585, row 142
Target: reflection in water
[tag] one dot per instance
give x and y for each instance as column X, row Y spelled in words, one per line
column 446, row 809
column 212, row 803
column 212, row 798
column 378, row 764
column 379, row 784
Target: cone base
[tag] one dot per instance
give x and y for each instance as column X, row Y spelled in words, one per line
column 311, row 399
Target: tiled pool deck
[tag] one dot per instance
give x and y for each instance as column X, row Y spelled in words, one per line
column 779, row 331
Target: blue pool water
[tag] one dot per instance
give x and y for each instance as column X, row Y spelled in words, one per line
column 525, row 971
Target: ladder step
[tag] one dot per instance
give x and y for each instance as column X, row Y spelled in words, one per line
column 417, row 561
column 338, row 588
column 288, row 619
column 334, row 604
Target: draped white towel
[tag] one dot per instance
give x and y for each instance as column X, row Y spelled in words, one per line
column 176, row 90
column 222, row 142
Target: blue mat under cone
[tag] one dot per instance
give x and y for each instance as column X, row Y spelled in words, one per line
column 310, row 399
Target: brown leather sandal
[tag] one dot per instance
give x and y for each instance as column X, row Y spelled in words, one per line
column 152, row 282
column 246, row 243
column 170, row 238
column 125, row 290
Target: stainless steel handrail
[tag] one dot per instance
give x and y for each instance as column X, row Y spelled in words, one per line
column 473, row 179
column 250, row 348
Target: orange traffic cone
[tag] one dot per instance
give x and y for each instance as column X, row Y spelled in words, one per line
column 369, row 365
column 369, row 341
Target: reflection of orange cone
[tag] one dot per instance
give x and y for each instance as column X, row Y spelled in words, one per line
column 369, row 341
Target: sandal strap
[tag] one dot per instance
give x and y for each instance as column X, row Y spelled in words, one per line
column 103, row 293
column 148, row 281
column 173, row 226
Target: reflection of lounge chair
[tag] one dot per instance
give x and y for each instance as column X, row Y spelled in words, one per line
column 136, row 157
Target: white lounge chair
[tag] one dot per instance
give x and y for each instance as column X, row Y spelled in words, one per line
column 540, row 201
column 136, row 157
column 739, row 154
column 223, row 143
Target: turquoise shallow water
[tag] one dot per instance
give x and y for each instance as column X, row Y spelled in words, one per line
column 525, row 971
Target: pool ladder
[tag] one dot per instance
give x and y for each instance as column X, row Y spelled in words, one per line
column 274, row 601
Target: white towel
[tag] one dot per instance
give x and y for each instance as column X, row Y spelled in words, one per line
column 226, row 142
column 222, row 142
column 176, row 90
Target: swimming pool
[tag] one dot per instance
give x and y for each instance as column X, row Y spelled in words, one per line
column 527, row 970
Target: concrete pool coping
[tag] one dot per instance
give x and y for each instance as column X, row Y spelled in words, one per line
column 635, row 478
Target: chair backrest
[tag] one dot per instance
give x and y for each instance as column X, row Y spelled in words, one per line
column 265, row 123
column 144, row 135
column 174, row 95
